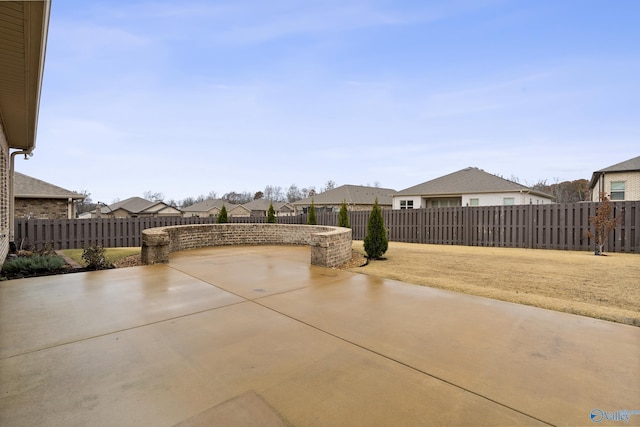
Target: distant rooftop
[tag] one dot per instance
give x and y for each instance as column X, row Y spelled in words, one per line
column 352, row 194
column 469, row 180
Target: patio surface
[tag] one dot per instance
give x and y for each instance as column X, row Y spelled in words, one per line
column 257, row 336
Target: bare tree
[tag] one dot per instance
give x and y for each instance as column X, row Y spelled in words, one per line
column 604, row 223
column 237, row 198
column 187, row 201
column 154, row 197
column 566, row 191
column 85, row 205
column 293, row 193
column 329, row 185
column 274, row 192
column 308, row 192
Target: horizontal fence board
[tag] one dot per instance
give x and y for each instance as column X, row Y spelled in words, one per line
column 555, row 226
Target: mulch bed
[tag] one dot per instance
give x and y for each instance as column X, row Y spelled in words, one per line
column 357, row 260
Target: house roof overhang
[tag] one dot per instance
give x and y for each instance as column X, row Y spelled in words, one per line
column 23, row 38
column 631, row 165
column 50, row 196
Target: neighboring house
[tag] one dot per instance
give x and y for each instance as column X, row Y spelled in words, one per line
column 357, row 197
column 137, row 207
column 619, row 182
column 212, row 207
column 468, row 187
column 39, row 199
column 260, row 207
column 23, row 39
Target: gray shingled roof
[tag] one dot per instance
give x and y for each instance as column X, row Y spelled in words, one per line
column 207, row 205
column 352, row 194
column 263, row 205
column 626, row 166
column 135, row 205
column 28, row 187
column 132, row 205
column 466, row 181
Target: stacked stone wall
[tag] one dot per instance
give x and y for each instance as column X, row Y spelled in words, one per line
column 330, row 246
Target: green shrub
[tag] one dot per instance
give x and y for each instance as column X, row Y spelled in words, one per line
column 95, row 258
column 343, row 216
column 271, row 215
column 34, row 264
column 376, row 242
column 312, row 220
column 223, row 216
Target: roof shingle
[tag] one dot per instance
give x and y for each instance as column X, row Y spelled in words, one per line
column 470, row 180
column 26, row 186
column 626, row 166
column 352, row 194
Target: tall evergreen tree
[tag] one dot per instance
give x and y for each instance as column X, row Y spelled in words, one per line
column 271, row 214
column 375, row 242
column 312, row 220
column 223, row 217
column 343, row 216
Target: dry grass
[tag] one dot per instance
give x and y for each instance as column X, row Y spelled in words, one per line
column 604, row 287
column 113, row 255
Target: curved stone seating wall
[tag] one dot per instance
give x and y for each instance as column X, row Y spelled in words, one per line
column 330, row 246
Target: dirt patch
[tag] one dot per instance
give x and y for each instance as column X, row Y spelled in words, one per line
column 574, row 282
column 128, row 261
column 357, row 260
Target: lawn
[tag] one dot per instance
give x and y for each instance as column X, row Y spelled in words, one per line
column 112, row 254
column 604, row 287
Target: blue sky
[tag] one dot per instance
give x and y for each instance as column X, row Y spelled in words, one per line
column 188, row 97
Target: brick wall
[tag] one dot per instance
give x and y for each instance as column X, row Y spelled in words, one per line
column 631, row 180
column 41, row 208
column 330, row 246
column 4, row 195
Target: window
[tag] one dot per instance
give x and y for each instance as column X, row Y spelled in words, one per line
column 508, row 201
column 406, row 204
column 445, row 202
column 617, row 190
column 474, row 202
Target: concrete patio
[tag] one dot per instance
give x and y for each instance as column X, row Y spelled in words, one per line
column 257, row 336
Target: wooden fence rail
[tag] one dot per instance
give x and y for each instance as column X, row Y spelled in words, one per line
column 554, row 226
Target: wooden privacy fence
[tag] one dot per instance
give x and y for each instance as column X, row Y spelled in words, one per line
column 554, row 226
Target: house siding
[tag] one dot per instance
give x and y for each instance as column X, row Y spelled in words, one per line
column 497, row 199
column 239, row 212
column 417, row 201
column 4, row 195
column 299, row 209
column 484, row 199
column 202, row 214
column 632, row 185
column 42, row 208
